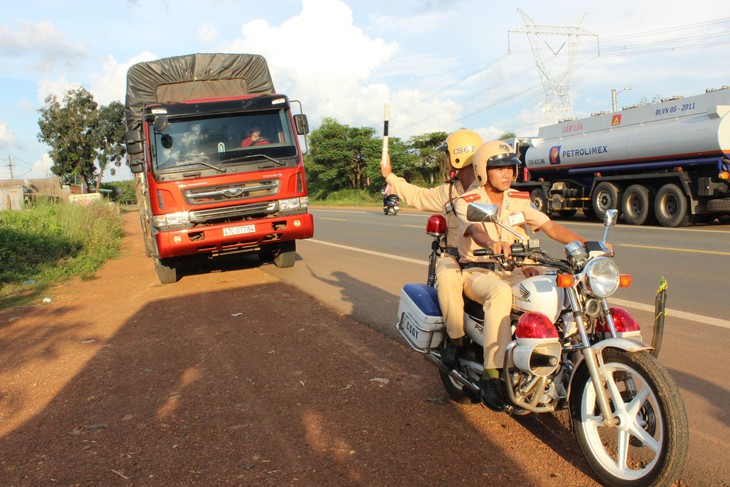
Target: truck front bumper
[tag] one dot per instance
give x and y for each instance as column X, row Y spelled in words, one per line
column 232, row 237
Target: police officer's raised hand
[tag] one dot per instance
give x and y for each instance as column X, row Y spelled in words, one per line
column 385, row 168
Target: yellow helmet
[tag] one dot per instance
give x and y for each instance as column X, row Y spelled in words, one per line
column 495, row 153
column 461, row 146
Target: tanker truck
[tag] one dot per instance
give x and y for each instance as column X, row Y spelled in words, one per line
column 664, row 163
column 217, row 161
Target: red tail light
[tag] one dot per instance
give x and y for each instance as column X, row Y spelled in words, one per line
column 535, row 325
column 622, row 320
column 436, row 226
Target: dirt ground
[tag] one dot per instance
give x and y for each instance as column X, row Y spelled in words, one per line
column 231, row 377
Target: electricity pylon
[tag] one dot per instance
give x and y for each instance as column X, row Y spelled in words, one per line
column 557, row 78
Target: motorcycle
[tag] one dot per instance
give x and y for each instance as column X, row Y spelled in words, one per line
column 390, row 204
column 570, row 350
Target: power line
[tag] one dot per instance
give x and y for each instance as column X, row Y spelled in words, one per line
column 683, row 43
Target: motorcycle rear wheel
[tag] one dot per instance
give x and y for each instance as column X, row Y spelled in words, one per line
column 456, row 391
column 648, row 446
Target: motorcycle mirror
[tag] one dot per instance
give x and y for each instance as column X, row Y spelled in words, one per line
column 610, row 217
column 481, row 212
column 609, row 220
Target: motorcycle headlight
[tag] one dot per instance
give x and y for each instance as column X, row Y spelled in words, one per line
column 602, row 277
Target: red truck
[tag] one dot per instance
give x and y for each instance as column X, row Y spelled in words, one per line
column 217, row 160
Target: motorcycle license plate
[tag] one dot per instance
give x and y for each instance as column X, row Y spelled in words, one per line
column 240, row 230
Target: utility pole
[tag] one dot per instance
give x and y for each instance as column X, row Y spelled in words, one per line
column 10, row 165
column 557, row 85
column 614, row 94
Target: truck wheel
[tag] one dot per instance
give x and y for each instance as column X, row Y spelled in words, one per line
column 145, row 236
column 636, row 205
column 267, row 254
column 539, row 199
column 606, row 196
column 286, row 255
column 718, row 206
column 166, row 270
column 670, row 206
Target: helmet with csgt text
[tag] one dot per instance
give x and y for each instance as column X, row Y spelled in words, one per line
column 461, row 146
column 495, row 153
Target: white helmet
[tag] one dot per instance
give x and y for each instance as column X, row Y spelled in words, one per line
column 495, row 153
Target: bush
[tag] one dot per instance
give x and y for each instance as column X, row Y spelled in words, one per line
column 48, row 242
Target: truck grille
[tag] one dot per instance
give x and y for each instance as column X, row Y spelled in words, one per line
column 238, row 212
column 229, row 193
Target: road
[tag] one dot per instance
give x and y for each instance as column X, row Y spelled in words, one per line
column 359, row 259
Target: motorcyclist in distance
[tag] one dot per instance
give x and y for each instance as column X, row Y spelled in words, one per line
column 459, row 146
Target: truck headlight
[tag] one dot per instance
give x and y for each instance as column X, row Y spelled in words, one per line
column 292, row 205
column 181, row 218
column 602, row 277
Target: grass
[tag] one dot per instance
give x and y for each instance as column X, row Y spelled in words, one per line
column 48, row 242
column 346, row 197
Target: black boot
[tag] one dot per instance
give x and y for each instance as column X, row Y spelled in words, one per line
column 492, row 394
column 450, row 356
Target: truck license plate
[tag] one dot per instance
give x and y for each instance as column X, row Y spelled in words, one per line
column 227, row 232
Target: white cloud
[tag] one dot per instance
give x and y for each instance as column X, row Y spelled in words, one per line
column 58, row 88
column 207, row 33
column 43, row 42
column 7, row 137
column 43, row 165
column 111, row 84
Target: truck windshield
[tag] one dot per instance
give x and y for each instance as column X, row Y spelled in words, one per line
column 222, row 142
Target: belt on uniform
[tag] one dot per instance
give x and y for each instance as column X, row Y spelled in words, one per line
column 453, row 251
column 481, row 265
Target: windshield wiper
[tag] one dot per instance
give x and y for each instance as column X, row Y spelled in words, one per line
column 251, row 156
column 178, row 167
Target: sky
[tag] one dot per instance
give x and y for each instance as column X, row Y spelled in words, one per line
column 440, row 64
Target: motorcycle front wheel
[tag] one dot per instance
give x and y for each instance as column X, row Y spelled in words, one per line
column 648, row 445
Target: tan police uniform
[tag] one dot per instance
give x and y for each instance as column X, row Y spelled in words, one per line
column 484, row 281
column 449, row 282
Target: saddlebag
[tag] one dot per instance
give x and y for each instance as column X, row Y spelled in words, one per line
column 419, row 317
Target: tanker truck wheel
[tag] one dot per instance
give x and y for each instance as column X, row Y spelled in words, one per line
column 539, row 199
column 636, row 205
column 670, row 206
column 606, row 196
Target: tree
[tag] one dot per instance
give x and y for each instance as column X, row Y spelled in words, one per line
column 339, row 156
column 69, row 129
column 429, row 162
column 81, row 134
column 110, row 139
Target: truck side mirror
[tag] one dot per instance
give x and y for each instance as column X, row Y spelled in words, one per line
column 133, row 140
column 301, row 123
column 161, row 122
column 136, row 166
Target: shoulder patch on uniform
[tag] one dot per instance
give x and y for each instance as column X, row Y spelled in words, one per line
column 520, row 194
column 470, row 198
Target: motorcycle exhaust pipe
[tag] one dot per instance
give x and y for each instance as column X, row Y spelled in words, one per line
column 454, row 374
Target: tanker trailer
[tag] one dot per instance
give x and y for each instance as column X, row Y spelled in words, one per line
column 665, row 162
